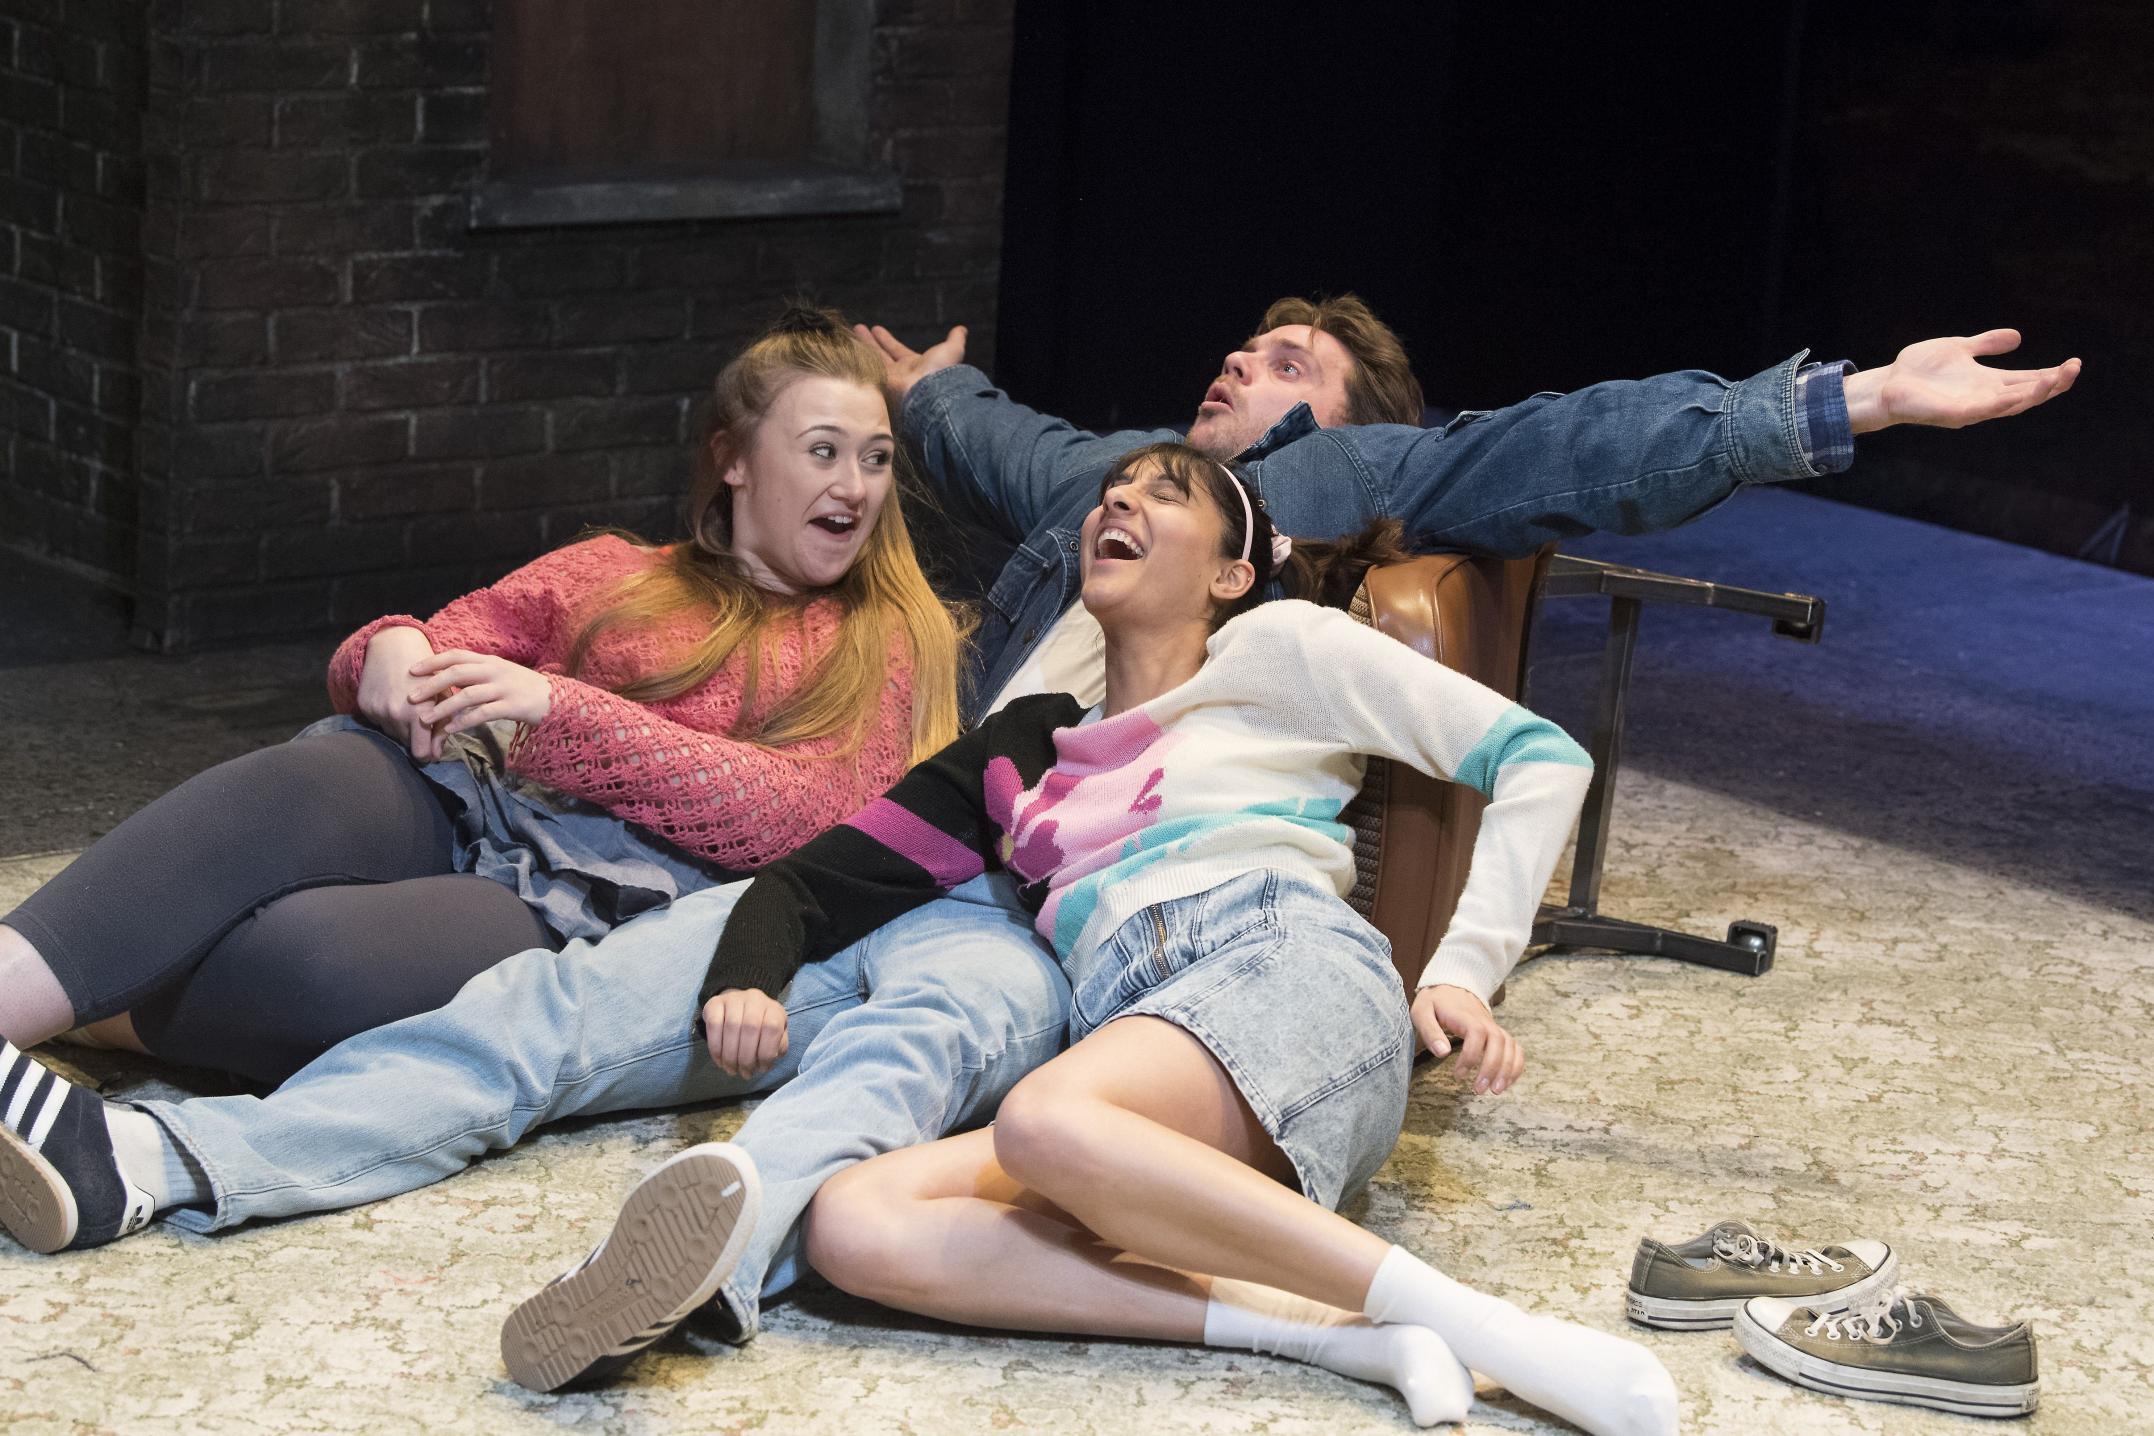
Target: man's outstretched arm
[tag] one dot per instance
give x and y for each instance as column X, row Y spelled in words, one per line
column 1635, row 456
column 1002, row 463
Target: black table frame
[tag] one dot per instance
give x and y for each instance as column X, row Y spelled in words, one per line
column 1579, row 923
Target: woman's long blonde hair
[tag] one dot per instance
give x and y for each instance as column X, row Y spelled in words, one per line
column 885, row 597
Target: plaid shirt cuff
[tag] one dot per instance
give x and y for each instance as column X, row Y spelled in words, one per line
column 1821, row 422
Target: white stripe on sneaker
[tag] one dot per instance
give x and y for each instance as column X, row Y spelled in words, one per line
column 41, row 1128
column 12, row 1059
column 31, row 1084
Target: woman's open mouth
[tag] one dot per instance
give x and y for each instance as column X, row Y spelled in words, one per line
column 837, row 525
column 1114, row 543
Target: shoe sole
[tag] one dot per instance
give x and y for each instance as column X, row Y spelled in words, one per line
column 1961, row 1398
column 679, row 1236
column 1671, row 1314
column 36, row 1204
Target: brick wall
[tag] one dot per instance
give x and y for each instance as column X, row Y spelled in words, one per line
column 354, row 404
column 71, row 88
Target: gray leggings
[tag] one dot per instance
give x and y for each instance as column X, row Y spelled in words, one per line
column 264, row 911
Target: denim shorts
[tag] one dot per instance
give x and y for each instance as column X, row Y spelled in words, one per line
column 1296, row 996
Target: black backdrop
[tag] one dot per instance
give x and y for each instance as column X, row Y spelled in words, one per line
column 1542, row 196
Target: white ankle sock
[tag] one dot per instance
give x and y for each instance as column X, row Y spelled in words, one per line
column 1609, row 1386
column 1412, row 1360
column 150, row 1159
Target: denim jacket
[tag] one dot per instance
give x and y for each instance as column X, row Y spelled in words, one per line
column 1630, row 456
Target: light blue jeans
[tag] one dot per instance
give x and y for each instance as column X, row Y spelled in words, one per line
column 913, row 1032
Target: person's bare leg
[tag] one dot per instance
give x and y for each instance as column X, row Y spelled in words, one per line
column 1140, row 1134
column 943, row 1231
column 33, row 1006
column 1139, row 1141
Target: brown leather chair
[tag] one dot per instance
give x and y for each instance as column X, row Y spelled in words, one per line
column 1413, row 834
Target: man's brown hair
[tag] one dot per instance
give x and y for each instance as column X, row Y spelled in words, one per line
column 1381, row 387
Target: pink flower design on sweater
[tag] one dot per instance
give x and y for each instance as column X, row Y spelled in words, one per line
column 669, row 765
column 1037, row 855
column 1103, row 788
column 1002, row 786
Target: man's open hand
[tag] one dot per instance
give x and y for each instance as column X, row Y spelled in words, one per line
column 903, row 367
column 1940, row 383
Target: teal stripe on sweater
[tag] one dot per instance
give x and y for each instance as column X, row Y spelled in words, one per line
column 1517, row 736
column 1166, row 840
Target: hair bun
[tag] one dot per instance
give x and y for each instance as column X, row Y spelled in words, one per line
column 800, row 318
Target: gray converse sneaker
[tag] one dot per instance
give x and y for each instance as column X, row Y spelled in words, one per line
column 1703, row 1282
column 1901, row 1347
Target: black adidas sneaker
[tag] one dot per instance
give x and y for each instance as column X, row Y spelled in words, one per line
column 679, row 1236
column 61, row 1188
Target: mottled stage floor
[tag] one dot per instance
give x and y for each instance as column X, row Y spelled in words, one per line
column 1947, row 808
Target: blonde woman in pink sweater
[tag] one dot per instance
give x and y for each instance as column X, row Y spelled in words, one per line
column 607, row 728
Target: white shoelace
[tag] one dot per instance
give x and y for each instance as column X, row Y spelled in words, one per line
column 1763, row 1251
column 1872, row 1322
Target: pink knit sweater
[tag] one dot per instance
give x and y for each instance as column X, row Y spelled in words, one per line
column 668, row 766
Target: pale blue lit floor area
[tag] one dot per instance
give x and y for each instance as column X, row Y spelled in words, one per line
column 1947, row 808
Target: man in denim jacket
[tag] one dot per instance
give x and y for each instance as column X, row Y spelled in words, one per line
column 1322, row 412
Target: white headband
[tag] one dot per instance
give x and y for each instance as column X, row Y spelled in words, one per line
column 1281, row 545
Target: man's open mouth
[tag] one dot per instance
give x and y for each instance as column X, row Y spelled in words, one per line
column 1117, row 543
column 838, row 524
column 1217, row 394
